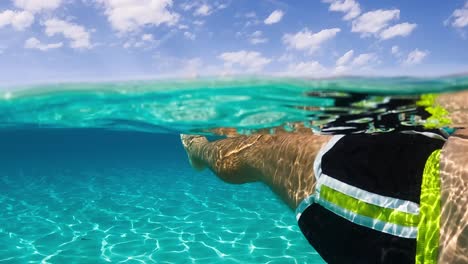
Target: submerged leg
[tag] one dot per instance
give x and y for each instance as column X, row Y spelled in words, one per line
column 457, row 106
column 223, row 156
column 454, row 200
column 190, row 143
column 283, row 162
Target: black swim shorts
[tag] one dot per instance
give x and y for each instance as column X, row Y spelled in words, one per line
column 366, row 204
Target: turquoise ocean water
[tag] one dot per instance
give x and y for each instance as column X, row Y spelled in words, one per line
column 95, row 172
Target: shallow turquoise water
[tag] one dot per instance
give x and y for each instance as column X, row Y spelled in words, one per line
column 90, row 196
column 200, row 105
column 95, row 173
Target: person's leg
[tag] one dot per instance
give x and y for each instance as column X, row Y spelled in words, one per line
column 221, row 156
column 454, row 199
column 192, row 145
column 457, row 106
column 283, row 162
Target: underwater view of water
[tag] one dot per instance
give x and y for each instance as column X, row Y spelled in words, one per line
column 91, row 196
column 96, row 173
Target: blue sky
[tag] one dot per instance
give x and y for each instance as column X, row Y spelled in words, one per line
column 72, row 40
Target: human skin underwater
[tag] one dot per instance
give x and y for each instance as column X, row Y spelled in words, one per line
column 284, row 162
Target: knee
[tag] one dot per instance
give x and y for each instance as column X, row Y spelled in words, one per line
column 230, row 170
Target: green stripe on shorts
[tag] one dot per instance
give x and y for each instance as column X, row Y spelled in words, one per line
column 369, row 210
column 427, row 248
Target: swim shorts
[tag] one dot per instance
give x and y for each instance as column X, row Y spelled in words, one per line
column 366, row 204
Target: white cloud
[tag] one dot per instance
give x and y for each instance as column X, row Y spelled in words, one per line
column 363, row 60
column 274, row 17
column 257, row 38
column 221, row 5
column 19, row 20
column 127, row 16
column 250, row 15
column 34, row 43
column 287, row 57
column 198, row 23
column 203, row 10
column 251, row 19
column 307, row 69
column 341, row 69
column 169, row 66
column 395, row 50
column 78, row 36
column 250, row 60
column 308, row 41
column 189, row 35
column 403, row 29
column 256, row 41
column 460, row 17
column 133, row 44
column 252, row 22
column 37, row 5
column 374, row 21
column 415, row 57
column 147, row 37
column 191, row 67
column 128, row 44
column 345, row 58
column 350, row 7
column 145, row 40
column 187, row 6
column 346, row 63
